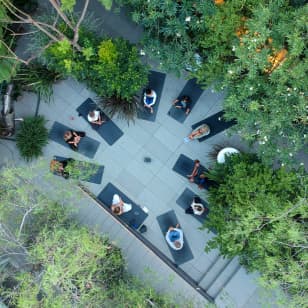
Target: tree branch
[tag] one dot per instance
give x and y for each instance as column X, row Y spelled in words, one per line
column 61, row 14
column 82, row 16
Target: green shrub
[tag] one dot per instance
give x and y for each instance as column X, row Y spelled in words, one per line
column 37, row 78
column 32, row 137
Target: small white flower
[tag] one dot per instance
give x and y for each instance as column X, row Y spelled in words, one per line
column 233, row 48
column 289, row 94
column 197, row 21
column 142, row 52
column 294, row 89
column 265, row 138
column 251, row 88
column 261, row 142
column 302, row 164
column 158, row 52
column 290, row 154
column 278, row 150
column 254, row 40
column 230, row 72
column 258, row 131
column 188, row 18
column 178, row 34
column 282, row 164
column 305, row 135
column 288, row 89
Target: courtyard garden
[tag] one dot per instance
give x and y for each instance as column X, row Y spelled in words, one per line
column 191, row 114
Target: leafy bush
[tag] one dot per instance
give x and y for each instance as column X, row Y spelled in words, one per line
column 261, row 215
column 110, row 67
column 32, row 137
column 37, row 78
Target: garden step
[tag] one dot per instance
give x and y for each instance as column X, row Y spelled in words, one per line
column 238, row 290
column 213, row 272
column 225, row 276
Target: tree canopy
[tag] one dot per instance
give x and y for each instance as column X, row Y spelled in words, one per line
column 261, row 215
column 48, row 260
column 256, row 50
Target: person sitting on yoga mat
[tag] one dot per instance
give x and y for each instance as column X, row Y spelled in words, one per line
column 59, row 167
column 73, row 138
column 174, row 237
column 182, row 103
column 199, row 132
column 149, row 99
column 195, row 171
column 196, row 207
column 118, row 207
column 94, row 117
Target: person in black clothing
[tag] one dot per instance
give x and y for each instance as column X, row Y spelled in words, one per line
column 73, row 138
column 183, row 103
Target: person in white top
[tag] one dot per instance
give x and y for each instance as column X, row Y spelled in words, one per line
column 149, row 99
column 118, row 207
column 175, row 238
column 94, row 117
column 196, row 207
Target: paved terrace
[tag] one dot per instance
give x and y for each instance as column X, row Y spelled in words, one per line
column 153, row 185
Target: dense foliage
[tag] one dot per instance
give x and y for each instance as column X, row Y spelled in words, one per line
column 37, row 78
column 31, row 137
column 261, row 215
column 254, row 49
column 109, row 67
column 46, row 260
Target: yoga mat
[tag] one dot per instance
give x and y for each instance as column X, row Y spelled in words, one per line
column 86, row 147
column 165, row 221
column 89, row 172
column 184, row 166
column 135, row 217
column 185, row 200
column 109, row 131
column 216, row 124
column 192, row 90
column 156, row 83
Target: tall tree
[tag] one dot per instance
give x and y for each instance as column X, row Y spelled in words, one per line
column 261, row 215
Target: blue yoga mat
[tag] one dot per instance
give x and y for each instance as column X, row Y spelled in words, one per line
column 89, row 172
column 191, row 89
column 135, row 217
column 184, row 166
column 180, row 256
column 185, row 200
column 109, row 131
column 216, row 123
column 156, row 82
column 86, row 147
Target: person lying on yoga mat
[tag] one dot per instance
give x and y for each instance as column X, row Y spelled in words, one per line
column 94, row 117
column 118, row 207
column 149, row 99
column 182, row 103
column 72, row 138
column 195, row 171
column 59, row 167
column 174, row 237
column 199, row 132
column 196, row 207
